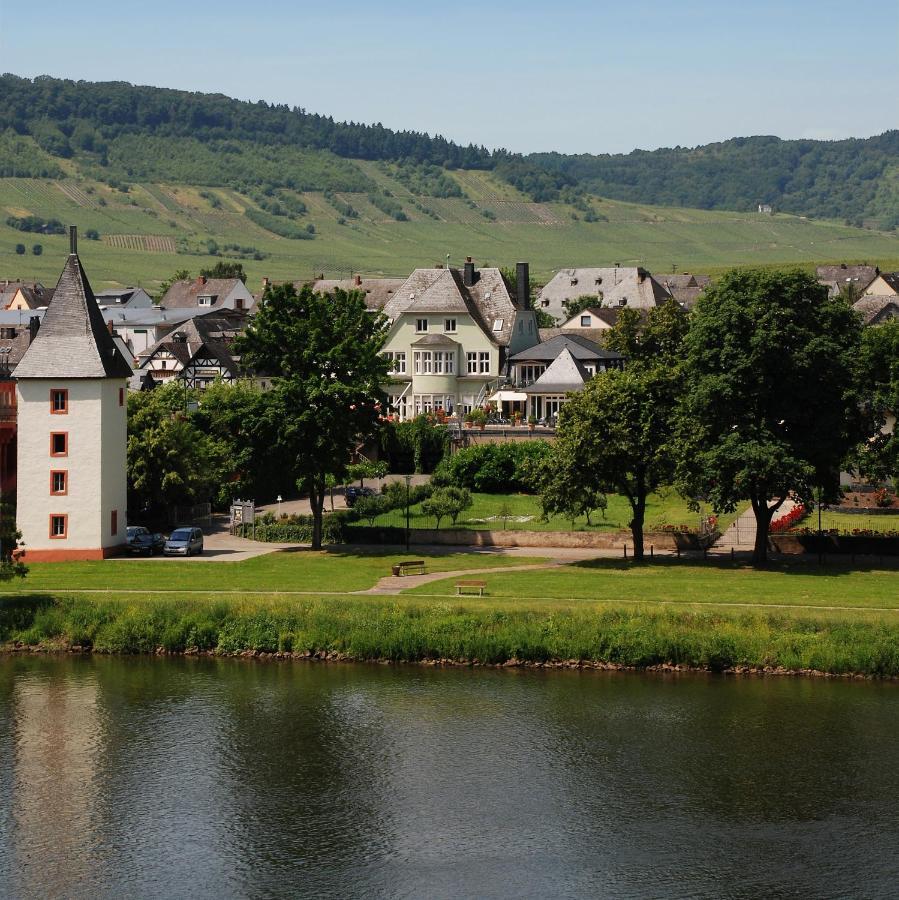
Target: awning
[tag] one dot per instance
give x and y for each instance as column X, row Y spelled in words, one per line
column 508, row 397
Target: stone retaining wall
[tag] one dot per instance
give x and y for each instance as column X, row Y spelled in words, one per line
column 666, row 540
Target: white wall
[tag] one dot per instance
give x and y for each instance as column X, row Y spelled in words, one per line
column 96, row 426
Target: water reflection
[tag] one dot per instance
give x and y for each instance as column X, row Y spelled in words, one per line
column 223, row 778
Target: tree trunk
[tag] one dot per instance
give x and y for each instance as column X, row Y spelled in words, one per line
column 763, row 514
column 638, row 505
column 317, row 503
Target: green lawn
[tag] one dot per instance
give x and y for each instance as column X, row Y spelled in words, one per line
column 525, row 513
column 710, row 583
column 302, row 570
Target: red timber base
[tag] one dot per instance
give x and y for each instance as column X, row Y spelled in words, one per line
column 71, row 555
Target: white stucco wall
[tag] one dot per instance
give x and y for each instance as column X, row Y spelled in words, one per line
column 96, row 426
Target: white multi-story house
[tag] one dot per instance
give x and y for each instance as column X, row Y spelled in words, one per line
column 72, row 429
column 451, row 334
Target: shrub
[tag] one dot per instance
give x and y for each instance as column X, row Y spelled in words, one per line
column 447, row 502
column 493, row 468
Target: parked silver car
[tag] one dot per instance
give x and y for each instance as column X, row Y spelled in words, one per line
column 184, row 542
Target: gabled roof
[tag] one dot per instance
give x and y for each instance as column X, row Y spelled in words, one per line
column 579, row 346
column 206, row 337
column 73, row 341
column 891, row 279
column 563, row 375
column 877, row 309
column 186, row 293
column 378, row 291
column 442, row 291
column 843, row 274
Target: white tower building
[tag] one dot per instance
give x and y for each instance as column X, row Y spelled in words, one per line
column 72, row 429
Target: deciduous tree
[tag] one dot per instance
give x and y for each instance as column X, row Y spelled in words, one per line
column 324, row 351
column 770, row 405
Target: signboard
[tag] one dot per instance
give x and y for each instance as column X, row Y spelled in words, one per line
column 243, row 512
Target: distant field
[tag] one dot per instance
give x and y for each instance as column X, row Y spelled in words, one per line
column 152, row 230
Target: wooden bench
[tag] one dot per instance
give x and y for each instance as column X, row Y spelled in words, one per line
column 469, row 587
column 410, row 567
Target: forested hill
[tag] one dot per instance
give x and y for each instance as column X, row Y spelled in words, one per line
column 117, row 132
column 856, row 180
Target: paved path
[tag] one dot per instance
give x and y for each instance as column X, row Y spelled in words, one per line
column 393, row 584
column 741, row 534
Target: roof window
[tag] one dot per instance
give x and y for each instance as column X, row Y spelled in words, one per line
column 497, row 324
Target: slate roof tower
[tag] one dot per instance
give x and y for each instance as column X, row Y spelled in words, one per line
column 72, row 428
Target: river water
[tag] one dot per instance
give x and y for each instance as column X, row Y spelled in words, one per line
column 204, row 778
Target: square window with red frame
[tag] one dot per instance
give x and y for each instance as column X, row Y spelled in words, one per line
column 59, row 482
column 59, row 401
column 59, row 443
column 59, row 525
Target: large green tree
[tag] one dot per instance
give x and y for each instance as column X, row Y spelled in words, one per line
column 615, row 436
column 878, row 458
column 324, row 352
column 771, row 403
column 171, row 462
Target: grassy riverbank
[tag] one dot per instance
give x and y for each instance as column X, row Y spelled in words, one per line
column 409, row 629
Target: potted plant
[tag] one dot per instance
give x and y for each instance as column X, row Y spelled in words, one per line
column 532, row 422
column 479, row 418
column 516, row 417
column 469, row 419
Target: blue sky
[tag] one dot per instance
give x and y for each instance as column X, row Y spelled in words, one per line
column 569, row 75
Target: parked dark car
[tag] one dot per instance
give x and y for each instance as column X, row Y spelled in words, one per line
column 352, row 494
column 184, row 542
column 134, row 531
column 146, row 542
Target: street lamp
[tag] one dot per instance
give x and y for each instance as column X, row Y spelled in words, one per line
column 278, row 498
column 408, row 482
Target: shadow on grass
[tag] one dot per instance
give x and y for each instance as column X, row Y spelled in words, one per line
column 799, row 565
column 18, row 612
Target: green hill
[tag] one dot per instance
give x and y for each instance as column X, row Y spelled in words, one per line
column 168, row 180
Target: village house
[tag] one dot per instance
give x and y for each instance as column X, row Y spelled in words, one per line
column 543, row 374
column 24, row 295
column 877, row 310
column 196, row 351
column 71, row 431
column 125, row 298
column 885, row 284
column 614, row 286
column 208, row 293
column 378, row 291
column 451, row 336
column 843, row 278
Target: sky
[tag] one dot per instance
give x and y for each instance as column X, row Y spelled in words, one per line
column 567, row 75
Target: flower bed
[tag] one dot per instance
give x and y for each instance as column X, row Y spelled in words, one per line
column 788, row 519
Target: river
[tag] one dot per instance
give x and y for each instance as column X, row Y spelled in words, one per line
column 226, row 778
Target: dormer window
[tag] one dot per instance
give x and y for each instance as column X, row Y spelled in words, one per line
column 497, row 324
column 421, row 326
column 205, row 300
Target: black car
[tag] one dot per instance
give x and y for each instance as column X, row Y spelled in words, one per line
column 146, row 543
column 352, row 494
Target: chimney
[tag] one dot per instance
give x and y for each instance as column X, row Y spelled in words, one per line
column 523, row 285
column 109, row 327
column 357, row 280
column 201, row 279
column 34, row 323
column 468, row 272
column 73, row 240
column 265, row 282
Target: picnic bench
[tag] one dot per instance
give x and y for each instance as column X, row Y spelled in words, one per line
column 410, row 567
column 469, row 587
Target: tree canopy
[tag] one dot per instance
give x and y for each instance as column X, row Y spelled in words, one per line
column 771, row 404
column 324, row 353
